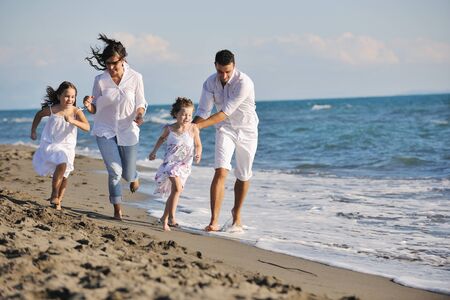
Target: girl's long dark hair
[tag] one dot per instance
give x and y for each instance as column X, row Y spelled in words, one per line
column 52, row 96
column 99, row 56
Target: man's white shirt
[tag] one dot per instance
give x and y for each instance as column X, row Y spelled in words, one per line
column 236, row 99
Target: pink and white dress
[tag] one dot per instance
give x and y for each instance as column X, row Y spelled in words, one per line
column 57, row 146
column 177, row 160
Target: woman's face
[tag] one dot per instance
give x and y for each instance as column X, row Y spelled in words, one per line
column 114, row 65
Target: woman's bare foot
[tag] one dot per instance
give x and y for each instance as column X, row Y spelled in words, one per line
column 117, row 212
column 134, row 186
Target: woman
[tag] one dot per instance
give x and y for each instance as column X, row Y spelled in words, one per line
column 119, row 105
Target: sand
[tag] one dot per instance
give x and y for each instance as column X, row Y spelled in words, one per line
column 82, row 253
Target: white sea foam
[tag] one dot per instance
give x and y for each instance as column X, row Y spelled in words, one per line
column 320, row 107
column 383, row 227
column 161, row 116
column 440, row 122
column 17, row 120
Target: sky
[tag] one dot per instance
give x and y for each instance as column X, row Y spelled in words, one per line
column 291, row 49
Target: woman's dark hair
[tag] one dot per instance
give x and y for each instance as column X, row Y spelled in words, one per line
column 224, row 57
column 180, row 103
column 52, row 96
column 112, row 48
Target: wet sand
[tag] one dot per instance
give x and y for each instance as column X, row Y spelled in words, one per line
column 82, row 253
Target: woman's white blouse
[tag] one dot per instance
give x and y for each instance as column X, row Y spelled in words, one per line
column 116, row 106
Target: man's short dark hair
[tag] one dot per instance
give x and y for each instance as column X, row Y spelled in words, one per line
column 224, row 57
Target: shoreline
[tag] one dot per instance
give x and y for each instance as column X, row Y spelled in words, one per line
column 86, row 198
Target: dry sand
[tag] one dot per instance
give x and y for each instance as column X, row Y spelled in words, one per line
column 81, row 253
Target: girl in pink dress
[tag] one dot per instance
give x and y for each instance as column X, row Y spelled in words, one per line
column 183, row 146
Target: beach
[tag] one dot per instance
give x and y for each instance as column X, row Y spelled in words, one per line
column 82, row 253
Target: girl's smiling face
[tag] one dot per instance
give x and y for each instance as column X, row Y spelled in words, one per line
column 68, row 97
column 184, row 116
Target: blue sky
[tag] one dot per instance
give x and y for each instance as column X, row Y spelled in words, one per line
column 291, row 49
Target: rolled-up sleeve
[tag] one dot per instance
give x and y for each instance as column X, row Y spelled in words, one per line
column 206, row 102
column 240, row 92
column 140, row 97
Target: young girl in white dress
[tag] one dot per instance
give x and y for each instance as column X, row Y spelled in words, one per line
column 56, row 151
column 183, row 146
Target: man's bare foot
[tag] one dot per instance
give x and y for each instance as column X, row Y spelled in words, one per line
column 236, row 219
column 134, row 186
column 211, row 227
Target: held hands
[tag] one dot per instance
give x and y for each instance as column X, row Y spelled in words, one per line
column 139, row 119
column 33, row 135
column 87, row 101
column 152, row 155
column 197, row 158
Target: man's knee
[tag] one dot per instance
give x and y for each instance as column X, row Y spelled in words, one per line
column 221, row 173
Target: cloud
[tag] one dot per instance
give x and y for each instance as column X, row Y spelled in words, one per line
column 352, row 49
column 422, row 50
column 147, row 47
column 30, row 56
column 347, row 48
column 5, row 54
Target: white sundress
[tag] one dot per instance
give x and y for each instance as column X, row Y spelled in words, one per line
column 177, row 160
column 57, row 146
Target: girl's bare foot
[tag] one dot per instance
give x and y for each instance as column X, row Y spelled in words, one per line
column 173, row 223
column 55, row 203
column 166, row 227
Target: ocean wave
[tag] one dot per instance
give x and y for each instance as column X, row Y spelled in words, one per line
column 320, row 107
column 440, row 122
column 159, row 120
column 17, row 120
column 409, row 161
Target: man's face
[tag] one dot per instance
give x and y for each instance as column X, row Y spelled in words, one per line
column 224, row 72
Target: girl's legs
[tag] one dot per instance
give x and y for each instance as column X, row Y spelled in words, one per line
column 57, row 180
column 172, row 202
column 62, row 189
column 128, row 155
column 113, row 162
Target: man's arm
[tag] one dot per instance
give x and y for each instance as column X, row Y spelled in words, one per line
column 212, row 120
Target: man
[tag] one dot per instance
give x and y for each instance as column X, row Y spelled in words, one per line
column 236, row 123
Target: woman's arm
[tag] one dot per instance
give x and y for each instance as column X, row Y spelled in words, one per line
column 37, row 119
column 198, row 144
column 160, row 141
column 80, row 120
column 139, row 118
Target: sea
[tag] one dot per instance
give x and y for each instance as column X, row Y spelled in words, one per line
column 357, row 183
